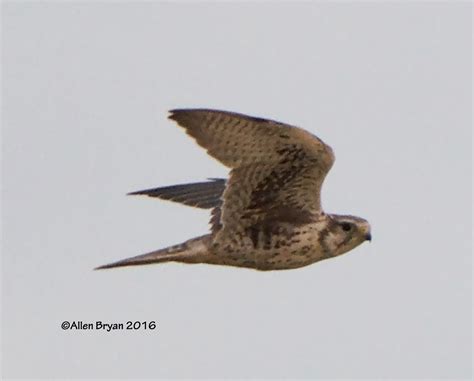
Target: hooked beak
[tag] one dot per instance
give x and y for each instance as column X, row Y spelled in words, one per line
column 368, row 237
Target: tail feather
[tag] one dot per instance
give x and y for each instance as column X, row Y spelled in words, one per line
column 192, row 251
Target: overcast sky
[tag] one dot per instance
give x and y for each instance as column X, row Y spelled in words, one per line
column 86, row 89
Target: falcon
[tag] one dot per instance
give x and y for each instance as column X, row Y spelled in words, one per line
column 267, row 215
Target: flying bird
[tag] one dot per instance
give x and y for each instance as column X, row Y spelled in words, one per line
column 267, row 215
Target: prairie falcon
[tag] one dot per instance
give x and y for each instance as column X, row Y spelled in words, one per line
column 267, row 215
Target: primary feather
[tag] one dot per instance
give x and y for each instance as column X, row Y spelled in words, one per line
column 203, row 195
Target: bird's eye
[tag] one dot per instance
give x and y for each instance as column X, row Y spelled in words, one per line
column 346, row 226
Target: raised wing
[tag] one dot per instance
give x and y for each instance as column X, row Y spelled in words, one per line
column 277, row 169
column 203, row 195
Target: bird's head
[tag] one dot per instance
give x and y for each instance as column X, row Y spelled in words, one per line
column 345, row 233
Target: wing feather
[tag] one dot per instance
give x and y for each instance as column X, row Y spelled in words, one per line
column 203, row 195
column 277, row 170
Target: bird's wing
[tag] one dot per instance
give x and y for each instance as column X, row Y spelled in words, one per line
column 203, row 195
column 277, row 170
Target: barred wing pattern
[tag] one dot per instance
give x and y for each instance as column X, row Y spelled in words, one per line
column 277, row 170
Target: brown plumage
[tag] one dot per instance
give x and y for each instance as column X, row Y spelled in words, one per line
column 268, row 214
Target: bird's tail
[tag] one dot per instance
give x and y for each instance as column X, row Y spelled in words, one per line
column 195, row 250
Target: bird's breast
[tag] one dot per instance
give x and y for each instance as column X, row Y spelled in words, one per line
column 284, row 249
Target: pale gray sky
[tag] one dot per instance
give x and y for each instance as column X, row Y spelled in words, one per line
column 86, row 89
